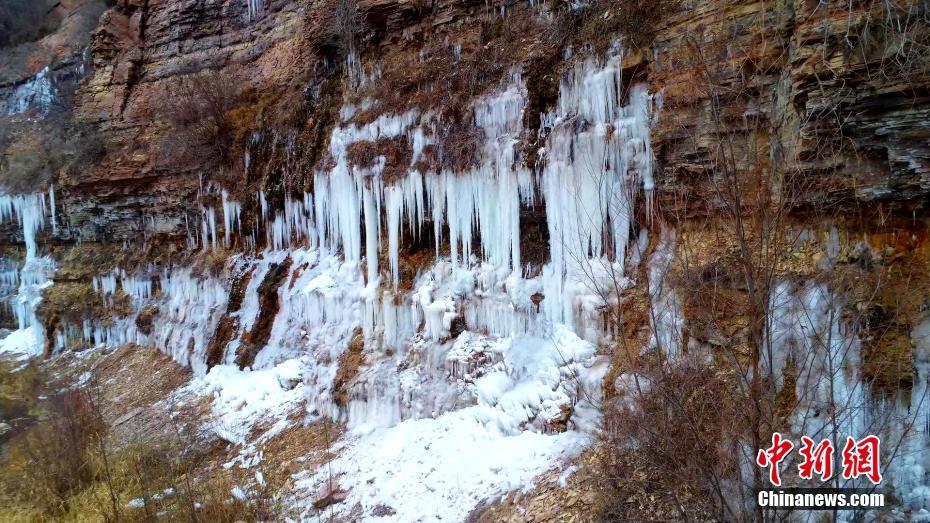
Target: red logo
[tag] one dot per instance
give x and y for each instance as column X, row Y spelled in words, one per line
column 862, row 459
column 817, row 459
column 774, row 455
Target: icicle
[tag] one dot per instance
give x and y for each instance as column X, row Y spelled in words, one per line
column 263, row 203
column 371, row 235
column 232, row 216
column 253, row 7
column 51, row 201
column 591, row 176
column 30, row 211
column 208, row 227
column 294, row 223
column 395, row 199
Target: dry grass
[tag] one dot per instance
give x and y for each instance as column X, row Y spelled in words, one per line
column 396, row 152
column 597, row 23
column 667, row 443
column 209, row 114
column 98, row 447
column 432, row 75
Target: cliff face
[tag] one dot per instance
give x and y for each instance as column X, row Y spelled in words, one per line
column 138, row 48
column 842, row 92
column 844, row 89
column 456, row 220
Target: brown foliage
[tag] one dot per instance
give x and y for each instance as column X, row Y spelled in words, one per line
column 34, row 151
column 667, row 443
column 334, row 28
column 596, row 24
column 54, row 459
column 210, row 115
column 396, row 152
column 458, row 145
column 439, row 75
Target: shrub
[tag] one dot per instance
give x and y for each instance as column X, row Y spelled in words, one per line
column 53, row 461
column 72, row 302
column 28, row 163
column 675, row 434
column 335, row 28
column 599, row 22
column 35, row 150
column 210, row 115
column 458, row 145
column 396, row 152
column 446, row 76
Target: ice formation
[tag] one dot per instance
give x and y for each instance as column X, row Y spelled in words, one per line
column 30, row 210
column 509, row 379
column 34, row 275
column 36, row 93
column 232, row 217
column 253, row 8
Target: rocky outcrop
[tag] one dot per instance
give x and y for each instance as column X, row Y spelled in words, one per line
column 836, row 94
column 138, row 49
column 839, row 95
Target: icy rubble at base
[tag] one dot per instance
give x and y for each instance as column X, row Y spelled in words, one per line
column 438, row 469
column 241, row 398
column 480, row 436
column 23, row 343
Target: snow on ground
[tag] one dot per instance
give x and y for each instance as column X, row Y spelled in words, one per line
column 242, row 398
column 440, row 469
column 432, row 469
column 23, row 344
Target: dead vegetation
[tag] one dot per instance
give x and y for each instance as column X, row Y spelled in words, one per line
column 396, row 152
column 35, row 152
column 595, row 25
column 209, row 113
column 687, row 417
column 109, row 451
column 335, row 29
column 447, row 70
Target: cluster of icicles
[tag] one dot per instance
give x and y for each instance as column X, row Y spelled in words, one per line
column 596, row 160
column 22, row 287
